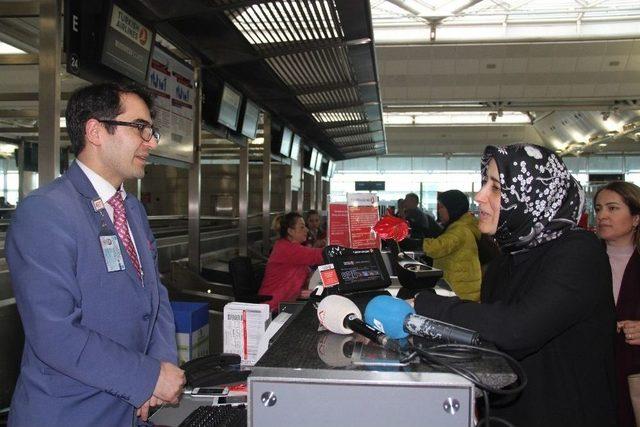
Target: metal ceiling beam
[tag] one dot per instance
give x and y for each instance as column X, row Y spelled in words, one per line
column 578, row 105
column 28, row 96
column 19, row 114
column 19, row 59
column 25, row 130
column 19, row 9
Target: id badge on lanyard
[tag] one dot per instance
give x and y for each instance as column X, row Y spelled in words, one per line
column 108, row 241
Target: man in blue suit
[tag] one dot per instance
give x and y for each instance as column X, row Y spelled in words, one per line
column 99, row 333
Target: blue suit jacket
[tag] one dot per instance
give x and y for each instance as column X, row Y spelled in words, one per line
column 93, row 339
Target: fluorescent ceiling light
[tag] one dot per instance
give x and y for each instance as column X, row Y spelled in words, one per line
column 504, row 20
column 7, row 48
column 454, row 118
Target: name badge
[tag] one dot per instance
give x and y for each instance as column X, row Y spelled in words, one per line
column 112, row 253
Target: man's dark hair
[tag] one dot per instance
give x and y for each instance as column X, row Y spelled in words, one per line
column 413, row 196
column 99, row 101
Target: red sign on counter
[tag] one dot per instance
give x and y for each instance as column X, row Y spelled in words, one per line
column 338, row 225
column 363, row 215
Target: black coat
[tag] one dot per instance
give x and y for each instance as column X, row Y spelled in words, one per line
column 628, row 356
column 552, row 309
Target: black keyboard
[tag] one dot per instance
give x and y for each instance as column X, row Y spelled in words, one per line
column 217, row 416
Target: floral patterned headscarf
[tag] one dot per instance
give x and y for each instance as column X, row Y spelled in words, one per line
column 540, row 199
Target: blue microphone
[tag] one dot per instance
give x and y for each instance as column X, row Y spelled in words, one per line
column 397, row 319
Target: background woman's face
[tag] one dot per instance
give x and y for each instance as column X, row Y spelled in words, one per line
column 313, row 222
column 443, row 214
column 615, row 224
column 488, row 199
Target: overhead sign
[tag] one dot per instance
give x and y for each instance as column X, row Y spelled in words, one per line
column 369, row 185
column 127, row 45
column 172, row 82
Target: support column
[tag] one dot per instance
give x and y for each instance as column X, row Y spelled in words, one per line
column 301, row 190
column 318, row 176
column 288, row 197
column 195, row 177
column 312, row 191
column 49, row 91
column 266, row 185
column 243, row 201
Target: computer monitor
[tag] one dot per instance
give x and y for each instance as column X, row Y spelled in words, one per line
column 229, row 110
column 318, row 164
column 312, row 159
column 285, row 145
column 250, row 120
column 295, row 147
column 357, row 269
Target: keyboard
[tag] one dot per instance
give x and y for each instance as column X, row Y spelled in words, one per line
column 217, row 416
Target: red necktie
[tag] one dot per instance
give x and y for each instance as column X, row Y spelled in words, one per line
column 120, row 222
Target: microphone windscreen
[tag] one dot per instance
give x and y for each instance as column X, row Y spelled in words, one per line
column 387, row 314
column 332, row 311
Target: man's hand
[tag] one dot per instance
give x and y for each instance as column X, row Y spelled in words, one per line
column 170, row 383
column 143, row 411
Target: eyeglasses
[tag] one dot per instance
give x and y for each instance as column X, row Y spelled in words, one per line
column 146, row 130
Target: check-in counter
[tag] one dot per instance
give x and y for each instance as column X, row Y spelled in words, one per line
column 317, row 378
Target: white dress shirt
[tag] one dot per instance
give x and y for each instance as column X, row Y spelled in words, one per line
column 105, row 191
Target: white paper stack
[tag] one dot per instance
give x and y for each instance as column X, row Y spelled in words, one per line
column 244, row 326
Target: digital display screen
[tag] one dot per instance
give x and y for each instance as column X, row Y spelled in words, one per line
column 229, row 107
column 285, row 145
column 314, row 156
column 331, row 168
column 250, row 122
column 360, row 268
column 318, row 162
column 295, row 147
column 357, row 269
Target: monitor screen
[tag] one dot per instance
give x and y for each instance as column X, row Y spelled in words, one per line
column 295, row 147
column 229, row 107
column 250, row 120
column 318, row 162
column 285, row 145
column 127, row 45
column 357, row 269
column 314, row 157
column 331, row 168
column 325, row 168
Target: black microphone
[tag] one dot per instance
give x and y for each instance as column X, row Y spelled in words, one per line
column 397, row 319
column 341, row 316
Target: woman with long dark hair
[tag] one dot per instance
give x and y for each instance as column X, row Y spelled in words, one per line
column 617, row 206
column 546, row 300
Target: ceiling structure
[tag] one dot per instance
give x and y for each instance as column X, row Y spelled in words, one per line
column 454, row 75
column 569, row 69
column 310, row 63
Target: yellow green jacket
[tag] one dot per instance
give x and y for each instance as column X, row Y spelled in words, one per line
column 456, row 253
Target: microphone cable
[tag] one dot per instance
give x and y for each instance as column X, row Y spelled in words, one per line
column 445, row 355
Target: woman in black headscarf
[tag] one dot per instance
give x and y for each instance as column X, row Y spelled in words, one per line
column 546, row 300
